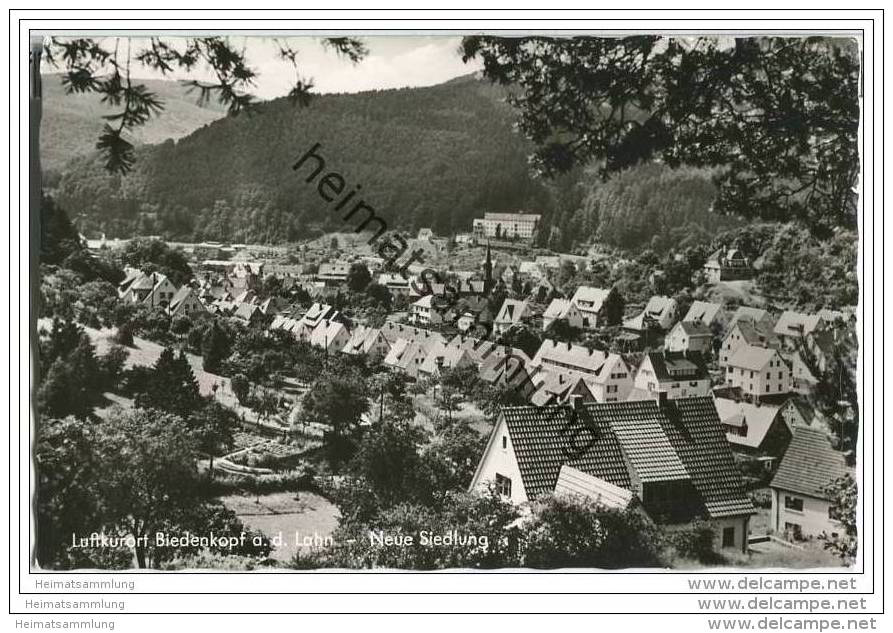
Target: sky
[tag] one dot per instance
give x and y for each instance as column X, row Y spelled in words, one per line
column 393, row 62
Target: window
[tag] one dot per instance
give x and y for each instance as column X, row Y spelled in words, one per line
column 728, row 537
column 505, row 442
column 793, row 503
column 793, row 530
column 503, row 485
column 779, row 375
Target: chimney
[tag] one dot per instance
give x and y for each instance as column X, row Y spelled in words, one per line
column 576, row 402
column 661, row 398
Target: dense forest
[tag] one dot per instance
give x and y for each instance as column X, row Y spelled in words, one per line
column 70, row 123
column 425, row 157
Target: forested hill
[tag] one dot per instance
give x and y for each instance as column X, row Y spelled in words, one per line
column 434, row 156
column 70, row 123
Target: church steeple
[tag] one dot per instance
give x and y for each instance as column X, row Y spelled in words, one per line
column 488, row 271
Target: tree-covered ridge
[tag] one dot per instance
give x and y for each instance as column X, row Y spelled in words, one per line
column 647, row 206
column 70, row 123
column 433, row 156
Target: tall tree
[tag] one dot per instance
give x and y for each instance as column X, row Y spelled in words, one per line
column 170, row 386
column 215, row 348
column 778, row 116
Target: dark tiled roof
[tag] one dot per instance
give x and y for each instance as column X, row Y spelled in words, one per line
column 657, row 443
column 809, row 464
column 666, row 365
column 695, row 431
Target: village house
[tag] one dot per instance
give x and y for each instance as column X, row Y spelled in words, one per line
column 513, row 312
column 660, row 312
column 330, row 336
column 153, row 289
column 425, row 234
column 755, row 316
column 369, row 341
column 595, row 304
column 670, row 458
column 614, row 380
column 676, row 374
column 793, row 327
column 425, row 312
column 248, row 313
column 333, row 273
column 759, row 372
column 801, row 507
column 745, row 332
column 759, row 429
column 559, row 388
column 509, row 370
column 690, row 336
column 562, row 310
column 563, row 357
column 703, row 312
column 396, row 283
column 727, row 265
column 441, row 357
column 407, row 356
column 393, row 331
column 184, row 303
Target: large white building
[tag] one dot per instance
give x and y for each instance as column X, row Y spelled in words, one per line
column 507, row 225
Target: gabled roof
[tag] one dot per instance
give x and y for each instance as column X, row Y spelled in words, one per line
column 809, row 464
column 393, row 331
column 558, row 309
column 694, row 328
column 756, row 333
column 758, row 420
column 752, row 315
column 702, row 311
column 673, row 366
column 181, row 296
column 752, row 357
column 797, row 324
column 590, row 299
column 442, row 356
column 569, row 356
column 512, row 311
column 363, row 339
column 246, row 311
column 688, row 428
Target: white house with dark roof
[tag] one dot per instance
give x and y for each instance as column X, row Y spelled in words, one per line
column 676, row 374
column 801, row 508
column 689, row 336
column 758, row 372
column 670, row 458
